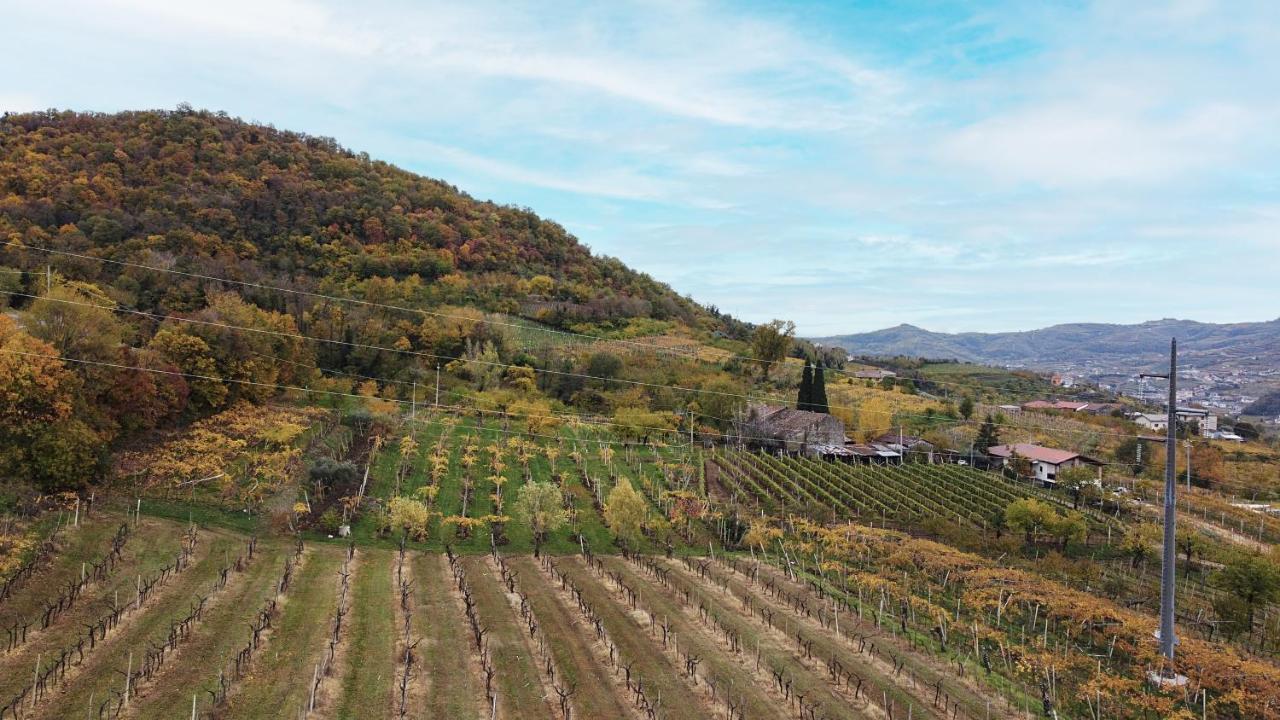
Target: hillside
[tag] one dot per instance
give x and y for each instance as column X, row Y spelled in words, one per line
column 1204, row 344
column 207, row 193
column 1266, row 406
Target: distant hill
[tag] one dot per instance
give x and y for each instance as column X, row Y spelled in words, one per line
column 206, row 193
column 1266, row 406
column 1204, row 344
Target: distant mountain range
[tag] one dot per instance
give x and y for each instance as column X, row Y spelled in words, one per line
column 1250, row 345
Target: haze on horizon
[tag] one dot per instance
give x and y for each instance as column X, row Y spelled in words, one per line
column 960, row 167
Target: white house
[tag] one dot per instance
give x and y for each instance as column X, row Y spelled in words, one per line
column 1046, row 463
column 1152, row 421
column 1207, row 421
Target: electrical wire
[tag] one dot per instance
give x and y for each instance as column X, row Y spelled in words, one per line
column 545, row 371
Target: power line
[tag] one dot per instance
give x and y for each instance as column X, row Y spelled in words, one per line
column 545, row 371
column 279, row 386
column 400, row 308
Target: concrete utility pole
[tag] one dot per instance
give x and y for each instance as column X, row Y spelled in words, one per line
column 437, row 385
column 1168, row 582
column 413, row 403
column 1169, row 556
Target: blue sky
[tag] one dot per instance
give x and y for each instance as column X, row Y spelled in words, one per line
column 975, row 166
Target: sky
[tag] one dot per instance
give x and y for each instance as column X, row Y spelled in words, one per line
column 982, row 166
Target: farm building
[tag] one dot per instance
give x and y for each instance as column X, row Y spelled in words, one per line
column 872, row 454
column 918, row 448
column 874, row 374
column 1045, row 462
column 776, row 427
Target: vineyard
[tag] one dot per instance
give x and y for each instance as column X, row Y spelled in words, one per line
column 905, row 494
column 339, row 566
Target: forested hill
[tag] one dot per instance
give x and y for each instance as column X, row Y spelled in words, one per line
column 210, row 194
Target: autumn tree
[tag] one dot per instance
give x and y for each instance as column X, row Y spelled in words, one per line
column 41, row 438
column 770, row 343
column 193, row 357
column 625, row 512
column 541, row 506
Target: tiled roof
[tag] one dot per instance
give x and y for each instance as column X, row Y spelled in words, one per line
column 1037, row 453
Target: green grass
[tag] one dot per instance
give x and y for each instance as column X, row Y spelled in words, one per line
column 202, row 514
column 279, row 682
column 520, row 692
column 215, row 639
column 367, row 687
column 104, row 668
column 453, row 690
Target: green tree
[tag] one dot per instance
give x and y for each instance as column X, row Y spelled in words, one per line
column 1252, row 580
column 988, row 435
column 541, row 506
column 818, row 400
column 76, row 319
column 1067, row 528
column 1134, row 454
column 966, row 407
column 770, row 343
column 1190, row 543
column 604, row 365
column 643, row 425
column 804, row 400
column 1077, row 480
column 625, row 512
column 1030, row 516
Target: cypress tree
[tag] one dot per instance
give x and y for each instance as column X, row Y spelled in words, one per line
column 988, row 435
column 818, row 397
column 805, row 399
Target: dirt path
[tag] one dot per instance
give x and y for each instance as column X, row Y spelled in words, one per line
column 1210, row 528
column 579, row 663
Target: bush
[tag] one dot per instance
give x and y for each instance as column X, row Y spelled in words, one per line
column 330, row 521
column 330, row 473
